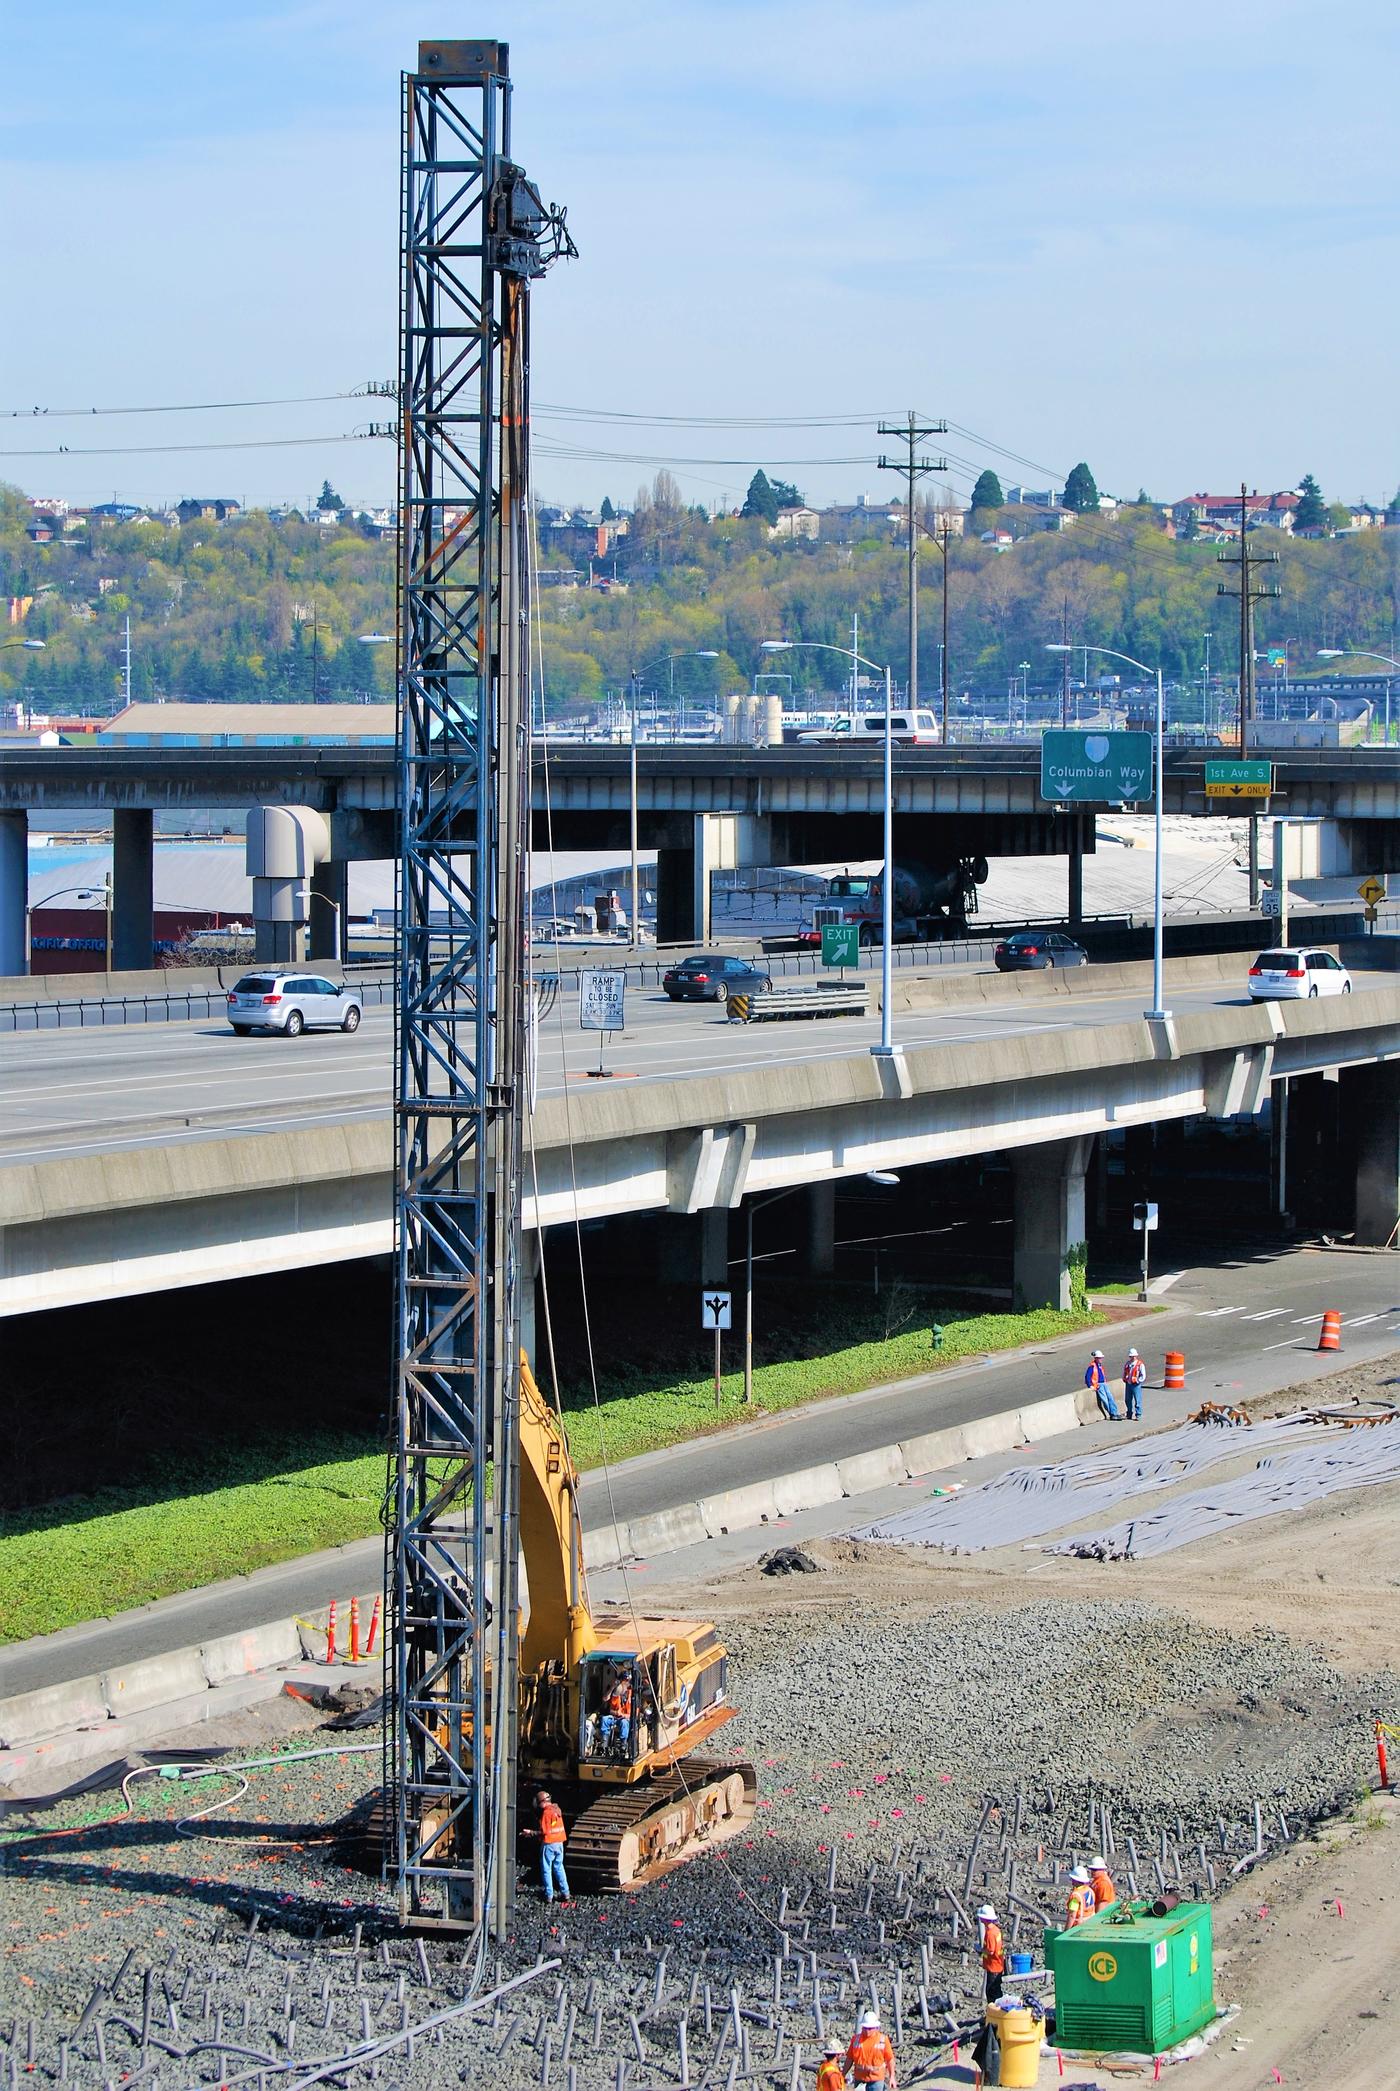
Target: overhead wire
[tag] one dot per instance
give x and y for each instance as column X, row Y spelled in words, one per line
column 199, row 406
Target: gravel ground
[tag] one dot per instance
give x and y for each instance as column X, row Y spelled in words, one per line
column 911, row 1761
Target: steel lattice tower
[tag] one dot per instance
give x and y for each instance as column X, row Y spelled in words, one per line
column 474, row 234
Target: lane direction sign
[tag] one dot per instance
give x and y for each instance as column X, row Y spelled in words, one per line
column 716, row 1309
column 1113, row 769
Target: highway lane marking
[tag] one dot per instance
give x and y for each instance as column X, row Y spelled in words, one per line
column 1211, row 1313
column 1269, row 1314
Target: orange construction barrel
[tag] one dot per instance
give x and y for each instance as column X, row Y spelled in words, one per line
column 1174, row 1371
column 1331, row 1337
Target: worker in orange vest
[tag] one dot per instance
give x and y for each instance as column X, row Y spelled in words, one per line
column 1081, row 1898
column 993, row 1951
column 551, row 1833
column 617, row 1712
column 830, row 2075
column 870, row 2055
column 1101, row 1882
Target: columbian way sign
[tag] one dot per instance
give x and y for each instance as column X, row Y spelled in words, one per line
column 1105, row 768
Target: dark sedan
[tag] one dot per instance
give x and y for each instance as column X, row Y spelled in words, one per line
column 712, row 977
column 1032, row 950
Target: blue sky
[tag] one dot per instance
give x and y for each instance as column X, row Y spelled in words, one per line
column 1162, row 239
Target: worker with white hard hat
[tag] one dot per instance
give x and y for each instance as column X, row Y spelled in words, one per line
column 1101, row 1881
column 1096, row 1379
column 993, row 1951
column 830, row 2075
column 1134, row 1375
column 870, row 2056
column 1081, row 1898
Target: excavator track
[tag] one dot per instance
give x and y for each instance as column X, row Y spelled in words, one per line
column 636, row 1833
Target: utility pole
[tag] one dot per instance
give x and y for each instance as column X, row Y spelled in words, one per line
column 1064, row 662
column 126, row 658
column 941, row 538
column 1249, row 594
column 1205, row 689
column 913, row 468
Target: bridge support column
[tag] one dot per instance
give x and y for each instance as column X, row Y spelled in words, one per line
column 133, row 890
column 721, row 842
column 326, row 935
column 1075, row 909
column 821, row 1230
column 531, row 1243
column 693, row 1248
column 1372, row 1097
column 14, row 893
column 1048, row 1225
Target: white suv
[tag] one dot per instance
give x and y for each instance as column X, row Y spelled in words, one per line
column 1296, row 974
column 292, row 1003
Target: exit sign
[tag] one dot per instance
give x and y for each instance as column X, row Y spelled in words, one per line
column 1239, row 780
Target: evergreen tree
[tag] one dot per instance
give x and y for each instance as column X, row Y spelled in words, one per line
column 1311, row 512
column 607, row 512
column 1080, row 493
column 987, row 493
column 1190, row 530
column 329, row 498
column 786, row 495
column 761, row 499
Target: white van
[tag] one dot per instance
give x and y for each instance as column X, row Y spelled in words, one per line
column 910, row 729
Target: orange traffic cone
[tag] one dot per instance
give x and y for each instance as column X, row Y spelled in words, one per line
column 330, row 1635
column 1331, row 1337
column 373, row 1627
column 354, row 1629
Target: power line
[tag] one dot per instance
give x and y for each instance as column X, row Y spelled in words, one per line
column 175, row 449
column 201, row 406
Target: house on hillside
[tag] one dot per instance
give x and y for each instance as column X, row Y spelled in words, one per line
column 795, row 523
column 215, row 509
column 1216, row 512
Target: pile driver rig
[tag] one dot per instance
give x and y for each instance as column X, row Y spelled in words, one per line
column 475, row 1704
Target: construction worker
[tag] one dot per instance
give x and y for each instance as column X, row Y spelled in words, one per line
column 993, row 1951
column 617, row 1712
column 870, row 2056
column 551, row 1833
column 1096, row 1378
column 1134, row 1377
column 1081, row 1898
column 1101, row 1881
column 830, row 2075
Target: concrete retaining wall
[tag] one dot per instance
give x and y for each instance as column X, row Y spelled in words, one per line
column 930, row 990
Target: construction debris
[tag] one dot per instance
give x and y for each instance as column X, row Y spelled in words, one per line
column 787, row 1561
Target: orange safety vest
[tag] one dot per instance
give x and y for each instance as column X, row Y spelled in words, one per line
column 620, row 1699
column 1104, row 1890
column 831, row 2077
column 993, row 1950
column 1081, row 1906
column 871, row 2058
column 552, row 1823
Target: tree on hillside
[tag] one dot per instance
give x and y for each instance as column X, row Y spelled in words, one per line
column 328, row 498
column 1190, row 530
column 987, row 493
column 1080, row 492
column 760, row 499
column 607, row 512
column 786, row 494
column 1311, row 512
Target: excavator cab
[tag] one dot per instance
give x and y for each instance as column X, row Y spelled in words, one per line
column 609, row 1707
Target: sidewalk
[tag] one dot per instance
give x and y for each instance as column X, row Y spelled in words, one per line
column 1207, row 1315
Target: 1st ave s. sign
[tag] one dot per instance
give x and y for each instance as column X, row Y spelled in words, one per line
column 1104, row 768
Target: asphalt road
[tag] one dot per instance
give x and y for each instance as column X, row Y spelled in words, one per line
column 1247, row 1326
column 86, row 1092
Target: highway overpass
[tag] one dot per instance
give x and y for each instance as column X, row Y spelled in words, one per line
column 700, row 808
column 177, row 1154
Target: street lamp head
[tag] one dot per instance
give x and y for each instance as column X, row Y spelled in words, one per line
column 34, row 645
column 885, row 1177
column 1057, row 646
column 707, row 653
column 375, row 639
column 775, row 646
column 1331, row 653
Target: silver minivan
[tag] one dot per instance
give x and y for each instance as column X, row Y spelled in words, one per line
column 292, row 1003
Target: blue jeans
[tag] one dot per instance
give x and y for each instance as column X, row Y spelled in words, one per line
column 1108, row 1407
column 617, row 1727
column 1132, row 1396
column 553, row 1878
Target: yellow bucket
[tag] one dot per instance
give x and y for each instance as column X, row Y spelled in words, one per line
column 1019, row 2032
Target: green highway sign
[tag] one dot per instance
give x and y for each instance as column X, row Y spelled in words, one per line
column 1239, row 780
column 840, row 944
column 1112, row 768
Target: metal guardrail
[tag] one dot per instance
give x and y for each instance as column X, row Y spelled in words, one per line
column 97, row 1013
column 800, row 998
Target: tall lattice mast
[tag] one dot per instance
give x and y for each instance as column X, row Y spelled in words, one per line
column 474, row 233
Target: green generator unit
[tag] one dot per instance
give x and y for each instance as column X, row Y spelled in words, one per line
column 1132, row 1981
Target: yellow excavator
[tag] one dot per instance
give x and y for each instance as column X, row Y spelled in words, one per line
column 613, row 1707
